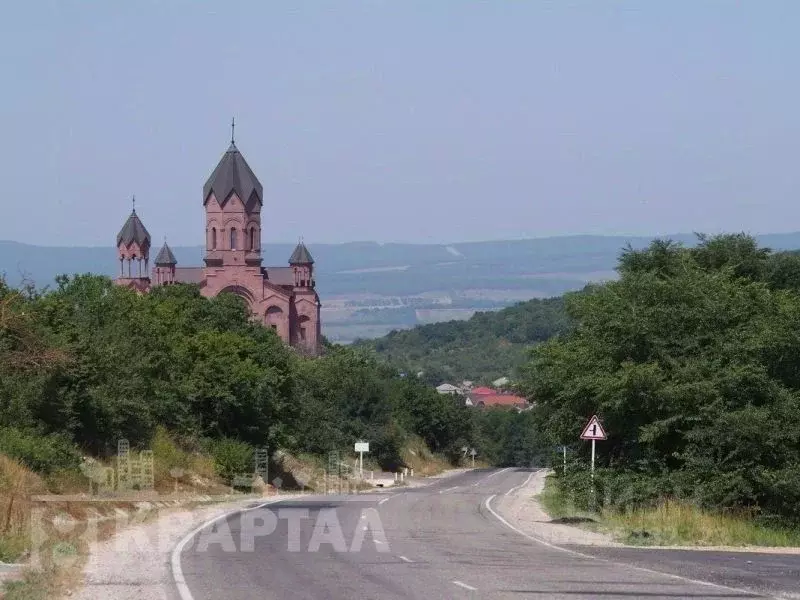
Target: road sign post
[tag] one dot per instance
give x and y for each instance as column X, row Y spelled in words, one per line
column 473, row 453
column 361, row 447
column 593, row 431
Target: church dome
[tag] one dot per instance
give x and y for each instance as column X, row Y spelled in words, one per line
column 165, row 257
column 133, row 231
column 301, row 256
column 232, row 174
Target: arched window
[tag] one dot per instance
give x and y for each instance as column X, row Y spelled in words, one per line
column 233, row 238
column 213, row 238
column 252, row 238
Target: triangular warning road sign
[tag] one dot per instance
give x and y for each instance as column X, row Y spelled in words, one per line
column 593, row 430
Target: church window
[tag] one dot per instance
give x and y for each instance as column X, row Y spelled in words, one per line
column 233, row 238
column 252, row 238
column 213, row 238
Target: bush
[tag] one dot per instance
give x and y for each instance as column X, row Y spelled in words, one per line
column 231, row 457
column 41, row 453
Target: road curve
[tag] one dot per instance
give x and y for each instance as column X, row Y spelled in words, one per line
column 437, row 541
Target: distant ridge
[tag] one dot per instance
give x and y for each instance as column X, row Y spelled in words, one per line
column 43, row 263
column 370, row 288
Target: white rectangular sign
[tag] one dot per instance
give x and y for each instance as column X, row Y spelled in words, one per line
column 362, row 446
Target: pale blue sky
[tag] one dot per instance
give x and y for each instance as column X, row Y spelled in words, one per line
column 402, row 120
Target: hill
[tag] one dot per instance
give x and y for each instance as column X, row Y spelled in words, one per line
column 487, row 346
column 369, row 289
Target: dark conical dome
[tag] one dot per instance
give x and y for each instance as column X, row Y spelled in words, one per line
column 301, row 256
column 165, row 257
column 133, row 231
column 232, row 174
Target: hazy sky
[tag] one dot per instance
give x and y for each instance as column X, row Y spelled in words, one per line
column 420, row 121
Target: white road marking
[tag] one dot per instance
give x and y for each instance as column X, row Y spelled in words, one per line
column 448, row 489
column 390, row 497
column 175, row 559
column 465, row 586
column 480, row 481
column 488, row 504
column 508, row 493
column 404, row 559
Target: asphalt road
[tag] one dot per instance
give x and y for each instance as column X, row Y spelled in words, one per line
column 441, row 541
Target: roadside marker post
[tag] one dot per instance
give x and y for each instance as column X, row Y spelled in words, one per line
column 473, row 453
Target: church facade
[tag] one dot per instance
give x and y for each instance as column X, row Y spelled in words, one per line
column 283, row 297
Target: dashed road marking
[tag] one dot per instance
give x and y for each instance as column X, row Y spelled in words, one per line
column 404, row 559
column 465, row 586
column 480, row 481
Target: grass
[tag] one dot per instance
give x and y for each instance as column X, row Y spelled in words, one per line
column 425, row 463
column 17, row 484
column 678, row 523
column 670, row 523
column 36, row 585
column 63, row 554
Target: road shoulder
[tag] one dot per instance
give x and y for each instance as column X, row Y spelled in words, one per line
column 134, row 564
column 521, row 507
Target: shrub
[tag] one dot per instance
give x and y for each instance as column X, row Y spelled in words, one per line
column 231, row 457
column 41, row 453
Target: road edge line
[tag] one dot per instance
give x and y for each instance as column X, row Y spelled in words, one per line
column 538, row 540
column 522, row 485
column 175, row 557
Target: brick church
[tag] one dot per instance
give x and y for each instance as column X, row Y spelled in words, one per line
column 283, row 298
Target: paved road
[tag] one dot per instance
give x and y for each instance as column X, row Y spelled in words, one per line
column 440, row 541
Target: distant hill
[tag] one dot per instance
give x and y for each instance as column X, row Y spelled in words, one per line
column 487, row 346
column 369, row 289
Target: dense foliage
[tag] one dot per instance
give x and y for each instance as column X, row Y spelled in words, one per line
column 487, row 346
column 691, row 360
column 89, row 362
column 509, row 438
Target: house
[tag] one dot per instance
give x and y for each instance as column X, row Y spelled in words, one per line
column 501, row 400
column 480, row 392
column 447, row 388
column 501, row 383
column 483, row 391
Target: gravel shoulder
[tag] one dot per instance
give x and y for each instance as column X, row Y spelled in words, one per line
column 522, row 508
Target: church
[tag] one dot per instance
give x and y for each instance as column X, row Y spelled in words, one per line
column 283, row 298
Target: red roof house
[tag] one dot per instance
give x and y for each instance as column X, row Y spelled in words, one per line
column 504, row 400
column 484, row 391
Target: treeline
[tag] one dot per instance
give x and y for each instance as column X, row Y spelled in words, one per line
column 691, row 360
column 88, row 363
column 483, row 348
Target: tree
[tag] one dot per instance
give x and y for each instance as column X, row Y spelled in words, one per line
column 688, row 347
